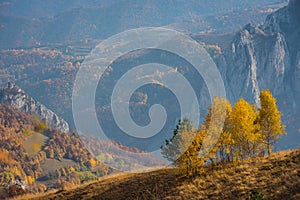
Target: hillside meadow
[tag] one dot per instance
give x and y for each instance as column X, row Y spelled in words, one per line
column 273, row 177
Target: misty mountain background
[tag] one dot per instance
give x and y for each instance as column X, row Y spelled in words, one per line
column 255, row 45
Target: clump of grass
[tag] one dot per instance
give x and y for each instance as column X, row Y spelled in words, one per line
column 256, row 195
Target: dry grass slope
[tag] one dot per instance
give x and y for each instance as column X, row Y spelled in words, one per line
column 276, row 177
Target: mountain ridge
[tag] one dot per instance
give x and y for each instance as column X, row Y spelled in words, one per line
column 17, row 98
column 76, row 23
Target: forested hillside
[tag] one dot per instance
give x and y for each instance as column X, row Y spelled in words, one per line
column 43, row 157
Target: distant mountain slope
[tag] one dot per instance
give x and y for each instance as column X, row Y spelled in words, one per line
column 37, row 23
column 18, row 99
column 275, row 177
column 40, row 8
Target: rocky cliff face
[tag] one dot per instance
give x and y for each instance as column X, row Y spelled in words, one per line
column 18, row 99
column 256, row 61
column 268, row 57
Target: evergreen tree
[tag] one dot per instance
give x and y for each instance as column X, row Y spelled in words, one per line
column 179, row 148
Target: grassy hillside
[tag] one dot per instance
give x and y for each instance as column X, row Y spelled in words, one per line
column 274, row 177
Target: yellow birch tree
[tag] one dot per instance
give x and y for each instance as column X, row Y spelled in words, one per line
column 269, row 120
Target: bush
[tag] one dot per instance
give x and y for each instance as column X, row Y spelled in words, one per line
column 256, row 195
column 41, row 127
column 16, row 188
column 26, row 131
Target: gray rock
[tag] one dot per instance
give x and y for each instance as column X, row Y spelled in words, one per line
column 18, row 99
column 267, row 57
